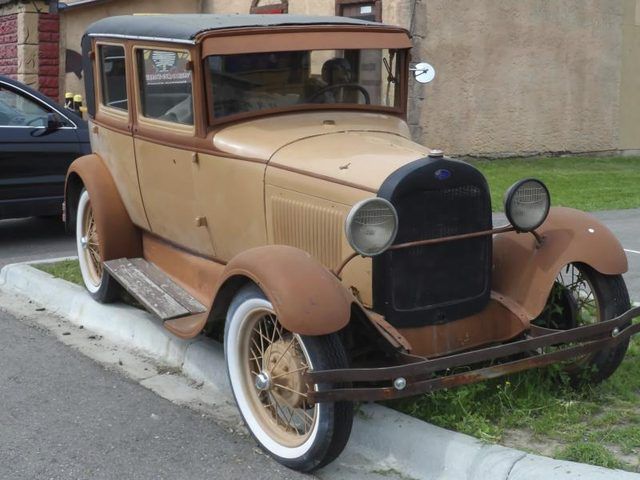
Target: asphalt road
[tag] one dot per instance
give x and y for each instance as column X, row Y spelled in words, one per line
column 33, row 238
column 625, row 224
column 64, row 416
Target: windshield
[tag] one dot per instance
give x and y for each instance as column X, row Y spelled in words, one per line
column 264, row 81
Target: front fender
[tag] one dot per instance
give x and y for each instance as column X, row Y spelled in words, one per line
column 119, row 237
column 524, row 272
column 307, row 298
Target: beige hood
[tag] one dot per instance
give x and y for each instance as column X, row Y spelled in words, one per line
column 357, row 148
column 363, row 159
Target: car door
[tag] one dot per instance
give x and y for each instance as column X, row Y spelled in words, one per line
column 164, row 134
column 33, row 157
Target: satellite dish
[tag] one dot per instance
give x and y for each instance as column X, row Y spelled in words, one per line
column 423, row 72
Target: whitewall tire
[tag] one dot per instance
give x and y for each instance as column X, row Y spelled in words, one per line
column 265, row 364
column 96, row 279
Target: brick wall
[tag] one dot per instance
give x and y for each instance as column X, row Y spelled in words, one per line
column 8, row 45
column 48, row 53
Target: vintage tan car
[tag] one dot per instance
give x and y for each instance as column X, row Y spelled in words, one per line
column 253, row 179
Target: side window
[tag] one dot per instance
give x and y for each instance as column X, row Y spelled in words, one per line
column 113, row 79
column 165, row 85
column 19, row 111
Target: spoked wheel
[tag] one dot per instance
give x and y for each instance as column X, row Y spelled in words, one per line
column 582, row 296
column 97, row 281
column 265, row 363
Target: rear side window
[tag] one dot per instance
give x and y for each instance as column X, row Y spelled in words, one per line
column 165, row 85
column 114, row 81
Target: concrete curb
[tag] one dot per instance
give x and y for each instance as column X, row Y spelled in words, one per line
column 383, row 441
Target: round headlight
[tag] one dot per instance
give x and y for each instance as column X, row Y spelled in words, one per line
column 371, row 226
column 526, row 204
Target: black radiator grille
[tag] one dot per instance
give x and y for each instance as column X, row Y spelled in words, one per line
column 442, row 282
column 448, row 272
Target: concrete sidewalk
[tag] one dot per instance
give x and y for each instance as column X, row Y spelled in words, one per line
column 384, row 443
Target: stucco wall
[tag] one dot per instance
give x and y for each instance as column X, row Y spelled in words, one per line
column 525, row 76
column 630, row 81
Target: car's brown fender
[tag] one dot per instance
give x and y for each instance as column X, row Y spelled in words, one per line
column 308, row 298
column 524, row 271
column 119, row 237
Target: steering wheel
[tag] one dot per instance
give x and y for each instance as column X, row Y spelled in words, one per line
column 338, row 86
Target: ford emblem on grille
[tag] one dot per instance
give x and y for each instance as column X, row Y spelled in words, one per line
column 442, row 174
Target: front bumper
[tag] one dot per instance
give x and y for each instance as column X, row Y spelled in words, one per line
column 423, row 375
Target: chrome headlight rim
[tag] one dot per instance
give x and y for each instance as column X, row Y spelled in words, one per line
column 508, row 198
column 351, row 216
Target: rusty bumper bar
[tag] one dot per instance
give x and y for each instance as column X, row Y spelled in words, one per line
column 418, row 377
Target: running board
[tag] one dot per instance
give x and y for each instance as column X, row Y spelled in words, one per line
column 157, row 292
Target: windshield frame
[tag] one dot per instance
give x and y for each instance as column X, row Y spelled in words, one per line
column 257, row 41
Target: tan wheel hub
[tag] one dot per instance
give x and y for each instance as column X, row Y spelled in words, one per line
column 283, row 362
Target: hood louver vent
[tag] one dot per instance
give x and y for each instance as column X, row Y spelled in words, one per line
column 312, row 228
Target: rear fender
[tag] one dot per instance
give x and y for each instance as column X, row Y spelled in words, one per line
column 525, row 272
column 119, row 237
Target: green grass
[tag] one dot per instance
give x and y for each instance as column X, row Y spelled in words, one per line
column 590, row 424
column 589, row 452
column 68, row 270
column 586, row 183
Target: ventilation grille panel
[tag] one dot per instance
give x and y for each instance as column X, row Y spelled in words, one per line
column 313, row 228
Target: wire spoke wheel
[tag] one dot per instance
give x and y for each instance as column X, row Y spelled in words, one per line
column 97, row 281
column 582, row 296
column 92, row 247
column 266, row 364
column 276, row 363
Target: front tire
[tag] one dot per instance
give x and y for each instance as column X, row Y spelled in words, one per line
column 265, row 364
column 96, row 279
column 582, row 296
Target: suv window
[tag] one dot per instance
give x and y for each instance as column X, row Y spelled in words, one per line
column 114, row 82
column 165, row 85
column 17, row 110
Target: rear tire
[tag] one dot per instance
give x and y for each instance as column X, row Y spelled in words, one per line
column 100, row 285
column 265, row 364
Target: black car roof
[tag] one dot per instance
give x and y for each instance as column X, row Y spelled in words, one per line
column 186, row 27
